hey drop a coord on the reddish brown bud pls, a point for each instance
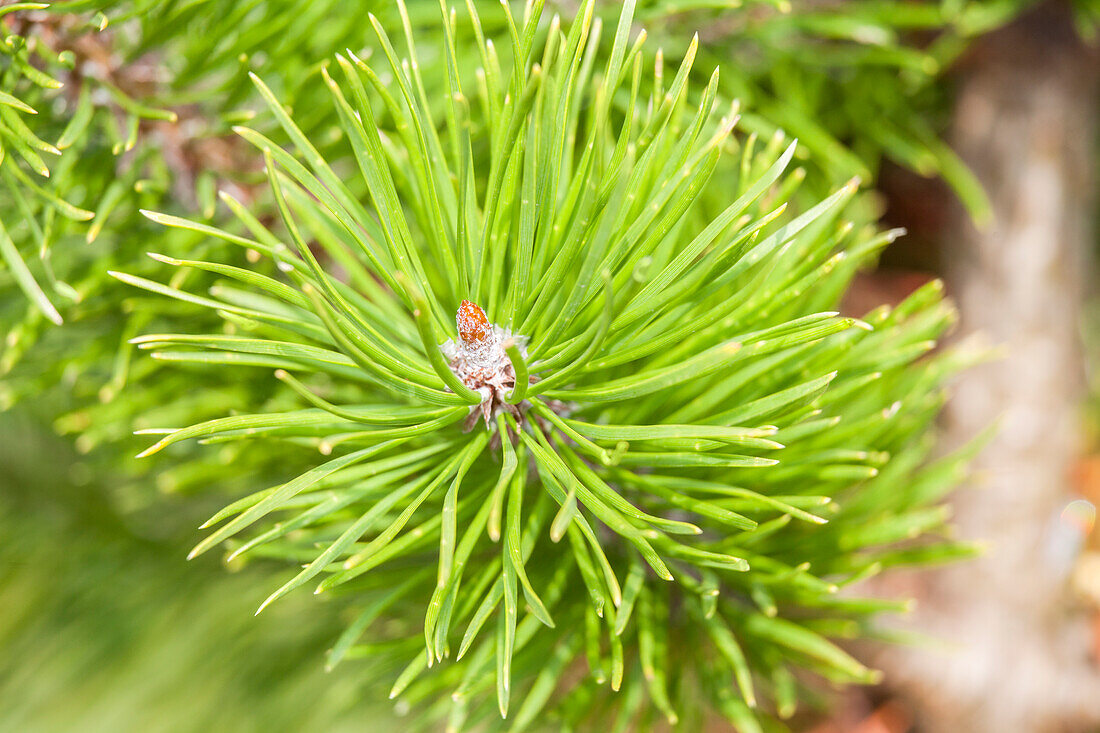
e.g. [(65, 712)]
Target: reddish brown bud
[(473, 325)]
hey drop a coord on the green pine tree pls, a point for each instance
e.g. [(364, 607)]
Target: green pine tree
[(634, 480), (650, 448)]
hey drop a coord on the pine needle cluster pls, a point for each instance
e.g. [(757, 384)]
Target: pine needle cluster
[(671, 454)]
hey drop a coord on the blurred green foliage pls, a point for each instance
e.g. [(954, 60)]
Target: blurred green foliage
[(106, 628)]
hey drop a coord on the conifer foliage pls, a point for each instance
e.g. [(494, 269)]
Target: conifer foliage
[(536, 329), (649, 455)]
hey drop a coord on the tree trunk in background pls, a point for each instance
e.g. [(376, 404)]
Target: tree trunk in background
[(1018, 654)]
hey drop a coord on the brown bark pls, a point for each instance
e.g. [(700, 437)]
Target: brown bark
[(1017, 653)]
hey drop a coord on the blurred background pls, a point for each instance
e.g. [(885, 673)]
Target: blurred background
[(972, 124)]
